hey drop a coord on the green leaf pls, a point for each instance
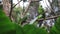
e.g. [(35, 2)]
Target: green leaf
[(31, 29), (5, 24), (54, 30), (40, 10), (57, 24), (19, 29)]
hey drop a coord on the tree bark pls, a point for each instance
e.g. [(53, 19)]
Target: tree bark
[(10, 14), (6, 6)]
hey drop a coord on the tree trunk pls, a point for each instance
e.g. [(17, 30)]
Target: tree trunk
[(6, 6)]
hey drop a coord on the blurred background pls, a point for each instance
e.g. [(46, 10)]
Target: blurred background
[(39, 15)]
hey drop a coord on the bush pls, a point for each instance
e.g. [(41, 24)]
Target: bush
[(31, 29), (56, 28), (57, 24)]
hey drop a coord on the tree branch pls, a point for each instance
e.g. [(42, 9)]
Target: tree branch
[(16, 4), (11, 9), (53, 17)]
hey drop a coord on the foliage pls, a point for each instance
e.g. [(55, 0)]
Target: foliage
[(56, 28), (21, 20), (7, 27), (57, 24), (5, 24), (19, 29), (16, 14), (40, 10), (31, 29)]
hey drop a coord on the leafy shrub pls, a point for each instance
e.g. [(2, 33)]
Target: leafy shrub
[(57, 24), (31, 29), (56, 28)]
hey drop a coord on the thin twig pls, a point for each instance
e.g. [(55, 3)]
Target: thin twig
[(16, 4)]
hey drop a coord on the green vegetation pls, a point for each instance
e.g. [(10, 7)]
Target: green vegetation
[(7, 27), (5, 24), (31, 29), (56, 28)]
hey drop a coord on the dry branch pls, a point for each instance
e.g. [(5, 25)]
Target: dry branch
[(53, 17)]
